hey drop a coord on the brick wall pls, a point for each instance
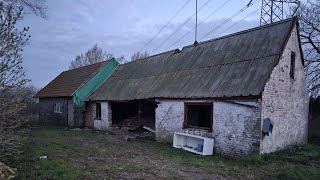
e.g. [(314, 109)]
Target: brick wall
[(236, 125), (285, 102), (106, 114), (169, 119)]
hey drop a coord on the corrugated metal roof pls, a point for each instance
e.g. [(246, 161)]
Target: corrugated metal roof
[(68, 82), (235, 65)]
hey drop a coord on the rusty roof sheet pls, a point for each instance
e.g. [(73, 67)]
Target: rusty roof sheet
[(234, 65), (68, 82)]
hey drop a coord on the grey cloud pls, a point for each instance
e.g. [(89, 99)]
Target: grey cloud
[(73, 27)]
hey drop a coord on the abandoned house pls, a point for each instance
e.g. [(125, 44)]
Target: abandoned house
[(246, 90), (62, 101)]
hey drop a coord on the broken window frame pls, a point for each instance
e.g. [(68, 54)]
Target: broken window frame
[(98, 111), (57, 107), (186, 125), (292, 65)]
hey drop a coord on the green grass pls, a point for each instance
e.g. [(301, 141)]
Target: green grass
[(94, 155)]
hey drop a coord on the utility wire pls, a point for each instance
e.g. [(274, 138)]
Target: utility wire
[(185, 22), (230, 18), (213, 12), (166, 25), (250, 14)]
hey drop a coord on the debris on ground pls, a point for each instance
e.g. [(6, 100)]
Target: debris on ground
[(148, 129), (6, 172), (134, 127), (43, 157)]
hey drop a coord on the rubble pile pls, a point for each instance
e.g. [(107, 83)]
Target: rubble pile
[(135, 128)]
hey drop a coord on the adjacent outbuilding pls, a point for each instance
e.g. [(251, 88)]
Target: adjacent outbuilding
[(62, 101), (246, 90)]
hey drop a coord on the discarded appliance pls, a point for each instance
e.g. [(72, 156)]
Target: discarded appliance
[(193, 143)]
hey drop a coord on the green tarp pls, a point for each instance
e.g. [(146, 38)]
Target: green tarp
[(94, 83)]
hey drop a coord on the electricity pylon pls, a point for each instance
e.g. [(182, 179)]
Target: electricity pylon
[(272, 10)]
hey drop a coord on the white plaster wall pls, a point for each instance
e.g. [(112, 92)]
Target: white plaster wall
[(105, 121), (236, 125), (285, 102), (169, 119)]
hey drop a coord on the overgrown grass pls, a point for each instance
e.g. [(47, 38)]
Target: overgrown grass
[(93, 155), (293, 163)]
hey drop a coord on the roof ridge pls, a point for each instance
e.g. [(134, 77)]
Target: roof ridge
[(244, 31), (104, 61), (217, 38), (93, 74), (150, 56)]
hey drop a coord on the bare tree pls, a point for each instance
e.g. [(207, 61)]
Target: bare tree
[(139, 55), (14, 98), (121, 59), (309, 21), (12, 41), (93, 55), (37, 7)]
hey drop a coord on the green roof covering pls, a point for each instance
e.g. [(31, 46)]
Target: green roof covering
[(94, 83)]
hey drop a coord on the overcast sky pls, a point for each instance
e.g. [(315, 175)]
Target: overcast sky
[(121, 27)]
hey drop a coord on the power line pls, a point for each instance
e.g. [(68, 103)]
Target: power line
[(182, 7), (250, 14), (230, 18), (213, 12), (185, 22)]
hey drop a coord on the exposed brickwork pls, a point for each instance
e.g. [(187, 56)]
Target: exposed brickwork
[(106, 114), (169, 119), (236, 126), (285, 102)]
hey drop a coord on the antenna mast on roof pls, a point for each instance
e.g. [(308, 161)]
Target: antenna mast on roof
[(272, 10), (195, 35)]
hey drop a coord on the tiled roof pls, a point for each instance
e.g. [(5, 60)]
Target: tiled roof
[(68, 82)]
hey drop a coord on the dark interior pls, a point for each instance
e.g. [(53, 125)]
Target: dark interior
[(134, 113), (199, 115)]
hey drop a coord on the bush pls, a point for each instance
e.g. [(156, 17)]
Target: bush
[(16, 109)]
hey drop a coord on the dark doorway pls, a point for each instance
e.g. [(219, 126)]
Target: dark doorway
[(134, 114)]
